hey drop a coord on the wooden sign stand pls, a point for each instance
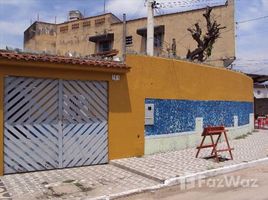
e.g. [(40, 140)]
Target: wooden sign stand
[(210, 132)]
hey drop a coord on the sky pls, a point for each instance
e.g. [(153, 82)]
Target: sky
[(251, 37)]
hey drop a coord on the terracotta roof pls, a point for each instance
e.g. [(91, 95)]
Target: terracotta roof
[(61, 60)]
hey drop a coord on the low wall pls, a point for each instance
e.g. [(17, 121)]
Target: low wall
[(171, 101), (178, 124), (184, 140)]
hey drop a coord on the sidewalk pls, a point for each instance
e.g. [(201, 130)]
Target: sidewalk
[(164, 166), (126, 175)]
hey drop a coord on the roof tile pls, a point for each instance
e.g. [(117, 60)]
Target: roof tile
[(61, 59)]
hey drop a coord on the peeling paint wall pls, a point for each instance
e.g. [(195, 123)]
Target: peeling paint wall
[(73, 37), (41, 36)]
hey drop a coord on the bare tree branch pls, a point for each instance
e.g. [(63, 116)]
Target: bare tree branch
[(204, 42)]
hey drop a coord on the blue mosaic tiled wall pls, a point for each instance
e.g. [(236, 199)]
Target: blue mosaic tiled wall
[(174, 116)]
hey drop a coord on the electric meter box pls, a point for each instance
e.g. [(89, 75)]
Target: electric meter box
[(149, 114)]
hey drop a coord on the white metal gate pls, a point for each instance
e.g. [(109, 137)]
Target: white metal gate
[(54, 124)]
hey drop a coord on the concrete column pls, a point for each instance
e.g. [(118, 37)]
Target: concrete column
[(251, 121), (150, 28), (235, 121), (199, 124)]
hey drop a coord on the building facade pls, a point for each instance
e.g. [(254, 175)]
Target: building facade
[(261, 99), (82, 36)]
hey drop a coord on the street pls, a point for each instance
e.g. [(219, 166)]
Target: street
[(251, 183)]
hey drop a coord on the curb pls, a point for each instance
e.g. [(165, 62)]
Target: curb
[(214, 172), (185, 179), (138, 172)]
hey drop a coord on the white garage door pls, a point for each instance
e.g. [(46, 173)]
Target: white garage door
[(54, 124)]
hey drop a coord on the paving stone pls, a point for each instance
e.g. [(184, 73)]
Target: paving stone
[(101, 178), (179, 163), (109, 179), (4, 194), (63, 189)]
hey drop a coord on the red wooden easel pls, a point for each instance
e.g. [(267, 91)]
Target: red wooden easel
[(210, 132)]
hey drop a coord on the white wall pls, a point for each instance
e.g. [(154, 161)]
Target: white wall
[(178, 141), (261, 92)]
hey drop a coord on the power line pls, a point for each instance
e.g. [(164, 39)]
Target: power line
[(254, 59), (248, 65), (254, 19), (190, 3), (240, 61)]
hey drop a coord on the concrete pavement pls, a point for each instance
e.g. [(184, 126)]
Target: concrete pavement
[(168, 165), (133, 175)]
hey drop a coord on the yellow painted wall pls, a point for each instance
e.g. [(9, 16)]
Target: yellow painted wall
[(173, 79), (118, 98), (148, 78), (167, 79)]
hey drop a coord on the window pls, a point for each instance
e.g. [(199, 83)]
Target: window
[(158, 40), (75, 26), (129, 40), (105, 46), (86, 24), (99, 22), (64, 29)]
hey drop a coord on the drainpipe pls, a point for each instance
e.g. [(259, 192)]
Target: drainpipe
[(124, 49)]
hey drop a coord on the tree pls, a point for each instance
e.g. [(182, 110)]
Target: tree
[(204, 42)]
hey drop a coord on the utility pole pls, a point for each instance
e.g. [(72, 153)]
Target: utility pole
[(124, 37), (150, 27)]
